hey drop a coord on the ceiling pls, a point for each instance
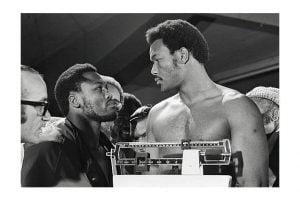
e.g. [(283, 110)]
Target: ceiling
[(244, 48)]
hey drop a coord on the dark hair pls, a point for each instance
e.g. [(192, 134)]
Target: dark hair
[(178, 33), (68, 81)]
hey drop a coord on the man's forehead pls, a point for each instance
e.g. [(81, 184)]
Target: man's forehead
[(93, 77), (156, 47), (33, 86)]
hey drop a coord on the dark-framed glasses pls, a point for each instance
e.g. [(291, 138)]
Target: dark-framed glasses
[(42, 106)]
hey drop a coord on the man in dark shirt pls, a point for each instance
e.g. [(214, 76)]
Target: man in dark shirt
[(83, 98)]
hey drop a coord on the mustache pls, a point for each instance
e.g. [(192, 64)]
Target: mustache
[(155, 76)]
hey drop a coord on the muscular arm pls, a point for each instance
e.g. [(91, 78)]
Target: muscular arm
[(249, 144)]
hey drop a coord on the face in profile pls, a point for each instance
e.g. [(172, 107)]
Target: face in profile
[(33, 89), (164, 67), (96, 101)]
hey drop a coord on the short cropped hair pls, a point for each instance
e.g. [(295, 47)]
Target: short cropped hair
[(176, 34), (70, 80)]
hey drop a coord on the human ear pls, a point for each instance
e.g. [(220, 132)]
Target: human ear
[(73, 101), (183, 55)]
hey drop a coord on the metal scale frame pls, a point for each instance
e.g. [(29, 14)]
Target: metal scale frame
[(208, 153)]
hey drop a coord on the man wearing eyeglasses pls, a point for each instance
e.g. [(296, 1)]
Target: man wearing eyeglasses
[(34, 110), (84, 99), (34, 105)]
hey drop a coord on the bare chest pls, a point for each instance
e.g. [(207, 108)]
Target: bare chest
[(195, 124), (208, 126), (171, 125)]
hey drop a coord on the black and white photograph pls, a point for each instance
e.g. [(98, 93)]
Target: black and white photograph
[(150, 100)]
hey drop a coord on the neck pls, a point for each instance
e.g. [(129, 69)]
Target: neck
[(90, 128), (197, 86)]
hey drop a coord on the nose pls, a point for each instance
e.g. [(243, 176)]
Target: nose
[(154, 69), (47, 116)]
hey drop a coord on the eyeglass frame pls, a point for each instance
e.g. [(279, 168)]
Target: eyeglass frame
[(45, 104)]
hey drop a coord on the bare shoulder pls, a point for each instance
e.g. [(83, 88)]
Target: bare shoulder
[(248, 141), (241, 111), (237, 103), (173, 101)]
